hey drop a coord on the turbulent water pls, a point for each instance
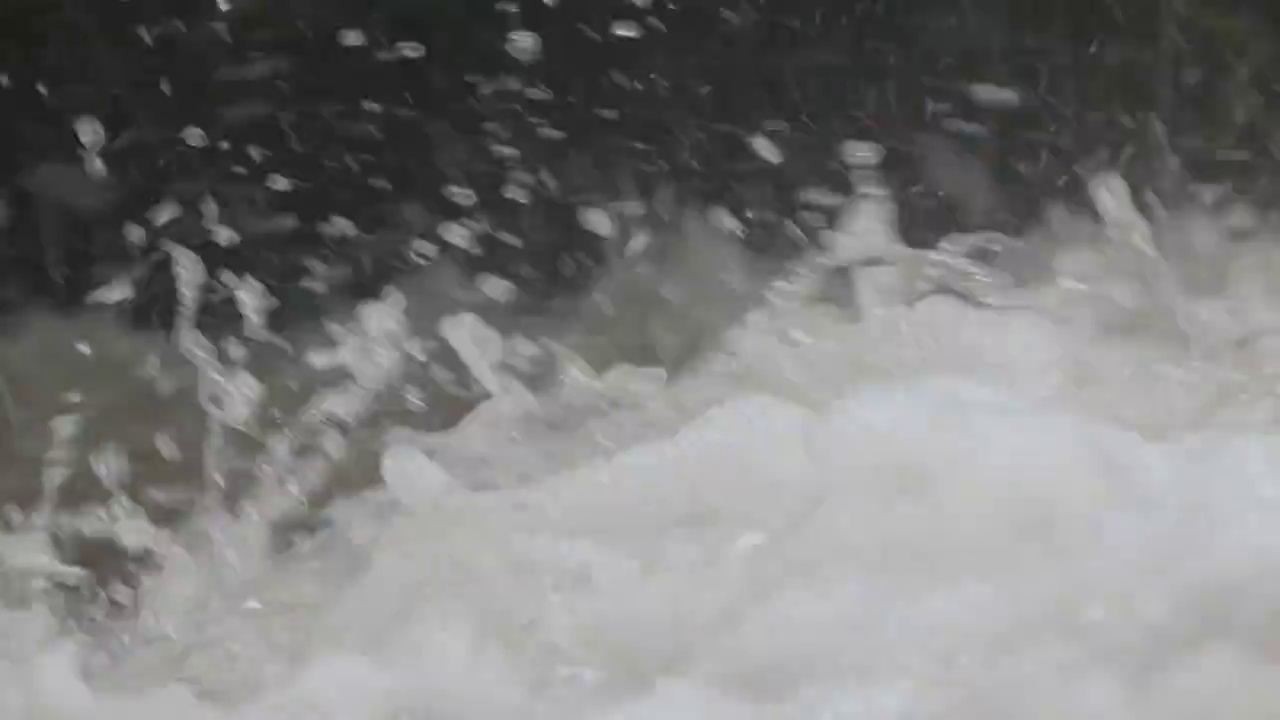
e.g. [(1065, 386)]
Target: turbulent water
[(1059, 506)]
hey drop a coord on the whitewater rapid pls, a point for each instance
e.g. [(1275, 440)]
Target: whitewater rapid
[(941, 511)]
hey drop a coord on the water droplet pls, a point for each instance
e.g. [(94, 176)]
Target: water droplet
[(502, 151), (547, 132), (640, 240), (459, 236), (167, 447), (524, 45), (279, 183), (539, 94), (352, 37), (629, 29), (460, 195), (994, 97), (509, 239), (110, 464), (726, 221), (404, 51), (91, 133), (861, 154), (517, 193), (819, 197), (164, 212), (209, 210), (497, 288), (95, 167), (223, 236), (965, 127), (112, 293), (766, 149), (194, 136), (337, 226), (423, 251), (134, 234), (597, 220)]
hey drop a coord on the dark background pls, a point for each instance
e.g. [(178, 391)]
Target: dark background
[(271, 75)]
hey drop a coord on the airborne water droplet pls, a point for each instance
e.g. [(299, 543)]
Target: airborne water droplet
[(164, 212), (721, 218), (766, 149), (404, 51), (524, 45), (336, 227), (861, 154), (629, 29), (496, 288), (167, 447), (597, 221), (110, 464), (114, 292), (134, 234), (459, 236), (460, 195), (995, 97), (352, 37), (209, 210), (224, 236), (95, 167), (91, 133), (194, 136), (516, 193), (422, 251), (279, 183)]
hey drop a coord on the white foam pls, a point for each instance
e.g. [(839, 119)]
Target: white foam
[(939, 545), (942, 511), (411, 475)]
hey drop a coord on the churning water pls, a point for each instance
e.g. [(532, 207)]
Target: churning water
[(1058, 503)]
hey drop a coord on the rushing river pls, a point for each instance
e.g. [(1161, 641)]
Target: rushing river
[(1063, 505)]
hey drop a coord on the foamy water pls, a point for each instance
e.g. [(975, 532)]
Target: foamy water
[(943, 511)]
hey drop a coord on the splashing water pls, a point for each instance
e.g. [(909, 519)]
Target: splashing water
[(945, 509)]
